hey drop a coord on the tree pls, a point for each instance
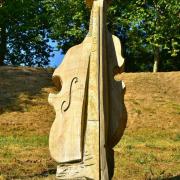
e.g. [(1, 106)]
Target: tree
[(2, 40), (69, 20), (150, 26), (24, 33), (148, 29)]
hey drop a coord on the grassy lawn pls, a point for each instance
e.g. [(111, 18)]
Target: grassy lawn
[(149, 149)]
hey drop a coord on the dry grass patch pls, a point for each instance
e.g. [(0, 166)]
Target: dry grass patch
[(149, 149)]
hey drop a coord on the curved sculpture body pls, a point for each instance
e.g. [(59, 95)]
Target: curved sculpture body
[(90, 111), (65, 140)]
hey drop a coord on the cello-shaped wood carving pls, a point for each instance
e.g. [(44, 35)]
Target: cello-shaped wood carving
[(90, 111)]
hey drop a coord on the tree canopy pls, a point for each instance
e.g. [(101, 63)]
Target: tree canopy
[(148, 29), (24, 33)]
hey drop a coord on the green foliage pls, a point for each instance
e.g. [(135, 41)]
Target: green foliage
[(144, 26), (25, 26), (149, 30), (69, 20)]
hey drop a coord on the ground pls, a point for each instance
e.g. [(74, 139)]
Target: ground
[(149, 149)]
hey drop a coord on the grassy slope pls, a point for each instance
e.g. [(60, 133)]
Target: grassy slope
[(149, 149)]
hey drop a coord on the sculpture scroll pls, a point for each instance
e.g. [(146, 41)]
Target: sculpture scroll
[(90, 111)]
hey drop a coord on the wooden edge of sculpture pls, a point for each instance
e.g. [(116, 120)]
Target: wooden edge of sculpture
[(90, 112)]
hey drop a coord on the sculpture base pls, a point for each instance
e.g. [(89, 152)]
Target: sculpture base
[(71, 172)]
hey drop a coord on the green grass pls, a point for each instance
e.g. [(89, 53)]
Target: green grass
[(148, 154), (32, 141), (149, 149)]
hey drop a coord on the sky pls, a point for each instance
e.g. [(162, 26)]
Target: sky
[(56, 60)]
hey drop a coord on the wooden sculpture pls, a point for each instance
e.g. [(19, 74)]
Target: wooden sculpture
[(90, 111)]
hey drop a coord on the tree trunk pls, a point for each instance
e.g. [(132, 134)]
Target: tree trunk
[(156, 59), (3, 41)]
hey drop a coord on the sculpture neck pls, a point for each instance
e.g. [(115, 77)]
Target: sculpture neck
[(98, 33), (89, 3), (98, 12)]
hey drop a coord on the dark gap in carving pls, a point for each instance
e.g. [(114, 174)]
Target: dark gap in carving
[(57, 82)]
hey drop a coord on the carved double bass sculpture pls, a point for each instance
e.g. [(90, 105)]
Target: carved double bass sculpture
[(90, 111)]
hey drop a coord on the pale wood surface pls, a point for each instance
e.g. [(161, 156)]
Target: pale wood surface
[(90, 111), (66, 135)]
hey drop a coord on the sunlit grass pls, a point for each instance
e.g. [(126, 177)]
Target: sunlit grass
[(32, 141), (149, 149), (147, 154)]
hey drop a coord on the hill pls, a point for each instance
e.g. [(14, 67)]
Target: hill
[(149, 149)]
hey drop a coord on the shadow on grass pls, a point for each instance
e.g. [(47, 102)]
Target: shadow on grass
[(46, 173), (173, 178), (19, 85), (43, 175)]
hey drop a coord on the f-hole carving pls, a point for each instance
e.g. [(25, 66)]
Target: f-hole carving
[(65, 105)]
